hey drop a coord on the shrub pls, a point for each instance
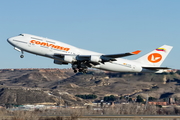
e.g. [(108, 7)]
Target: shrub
[(90, 96)]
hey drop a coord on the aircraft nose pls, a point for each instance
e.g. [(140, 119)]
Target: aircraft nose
[(10, 40)]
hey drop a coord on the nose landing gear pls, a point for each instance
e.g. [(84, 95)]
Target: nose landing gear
[(21, 56)]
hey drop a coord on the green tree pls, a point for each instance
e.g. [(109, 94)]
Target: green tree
[(109, 98), (90, 96), (139, 99), (152, 99), (130, 100), (178, 72), (121, 98)]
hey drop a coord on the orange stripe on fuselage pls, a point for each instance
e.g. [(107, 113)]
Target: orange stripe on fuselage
[(49, 45)]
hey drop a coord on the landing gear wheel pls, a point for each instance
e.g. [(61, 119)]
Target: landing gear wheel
[(21, 56), (75, 71), (80, 70), (85, 71)]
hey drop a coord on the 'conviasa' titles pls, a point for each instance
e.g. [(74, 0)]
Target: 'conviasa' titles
[(49, 45)]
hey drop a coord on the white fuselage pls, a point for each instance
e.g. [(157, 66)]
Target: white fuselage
[(48, 47)]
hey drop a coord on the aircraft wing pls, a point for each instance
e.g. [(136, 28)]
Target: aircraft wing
[(94, 59), (86, 57), (122, 54)]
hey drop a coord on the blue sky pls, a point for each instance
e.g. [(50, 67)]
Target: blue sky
[(105, 26)]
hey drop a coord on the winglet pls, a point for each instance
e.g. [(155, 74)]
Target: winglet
[(136, 52)]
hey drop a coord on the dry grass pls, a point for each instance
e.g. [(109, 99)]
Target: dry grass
[(3, 114), (24, 115), (75, 114)]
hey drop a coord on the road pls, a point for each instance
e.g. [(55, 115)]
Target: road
[(128, 117), (104, 117)]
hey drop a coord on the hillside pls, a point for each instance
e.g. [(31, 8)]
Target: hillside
[(29, 86)]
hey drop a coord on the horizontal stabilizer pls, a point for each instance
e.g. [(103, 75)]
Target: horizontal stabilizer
[(155, 68)]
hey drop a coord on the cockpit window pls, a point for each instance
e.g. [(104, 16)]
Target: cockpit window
[(21, 35)]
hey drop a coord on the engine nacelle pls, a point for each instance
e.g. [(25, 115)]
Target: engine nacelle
[(95, 59), (59, 62), (68, 59)]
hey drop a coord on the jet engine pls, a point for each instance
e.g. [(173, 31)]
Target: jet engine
[(65, 58), (68, 59), (95, 59), (59, 62)]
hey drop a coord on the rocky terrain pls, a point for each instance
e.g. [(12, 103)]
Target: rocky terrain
[(56, 86)]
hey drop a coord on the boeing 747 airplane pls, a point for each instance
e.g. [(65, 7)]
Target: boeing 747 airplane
[(81, 59)]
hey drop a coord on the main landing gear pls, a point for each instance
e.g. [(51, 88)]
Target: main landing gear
[(82, 70), (79, 67)]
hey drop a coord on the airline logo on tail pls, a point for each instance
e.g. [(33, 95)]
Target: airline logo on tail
[(155, 57)]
